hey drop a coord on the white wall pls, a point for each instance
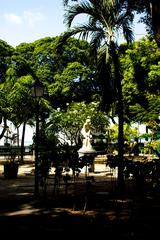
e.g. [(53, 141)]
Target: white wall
[(28, 134)]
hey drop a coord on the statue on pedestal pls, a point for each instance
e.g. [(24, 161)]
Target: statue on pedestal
[(87, 138)]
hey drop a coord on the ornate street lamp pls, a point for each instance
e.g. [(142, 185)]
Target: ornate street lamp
[(37, 89), (37, 92)]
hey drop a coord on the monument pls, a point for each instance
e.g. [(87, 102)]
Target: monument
[(87, 139)]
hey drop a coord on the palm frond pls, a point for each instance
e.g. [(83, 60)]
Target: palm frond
[(105, 19), (128, 33), (75, 10), (96, 39), (65, 2)]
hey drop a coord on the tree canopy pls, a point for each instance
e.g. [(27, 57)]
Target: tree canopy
[(141, 80)]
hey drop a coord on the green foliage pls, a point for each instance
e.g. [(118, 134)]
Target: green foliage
[(141, 81), (19, 98), (70, 121), (130, 132), (67, 76), (6, 51)]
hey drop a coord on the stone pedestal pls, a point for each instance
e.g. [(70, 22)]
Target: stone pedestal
[(87, 153)]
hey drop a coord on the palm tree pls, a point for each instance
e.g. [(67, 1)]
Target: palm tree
[(106, 21)]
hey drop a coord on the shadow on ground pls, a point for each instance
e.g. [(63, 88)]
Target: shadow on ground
[(97, 212)]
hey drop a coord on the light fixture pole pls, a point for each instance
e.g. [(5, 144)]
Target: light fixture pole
[(37, 92)]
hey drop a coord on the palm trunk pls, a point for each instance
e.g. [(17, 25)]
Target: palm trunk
[(121, 183)]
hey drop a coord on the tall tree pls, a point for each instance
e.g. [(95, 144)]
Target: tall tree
[(105, 21), (6, 51)]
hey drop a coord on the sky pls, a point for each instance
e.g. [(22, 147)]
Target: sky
[(30, 20)]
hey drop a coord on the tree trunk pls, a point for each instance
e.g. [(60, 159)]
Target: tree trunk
[(22, 142), (155, 12), (4, 127)]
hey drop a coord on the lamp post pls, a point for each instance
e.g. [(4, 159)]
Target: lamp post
[(37, 92)]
